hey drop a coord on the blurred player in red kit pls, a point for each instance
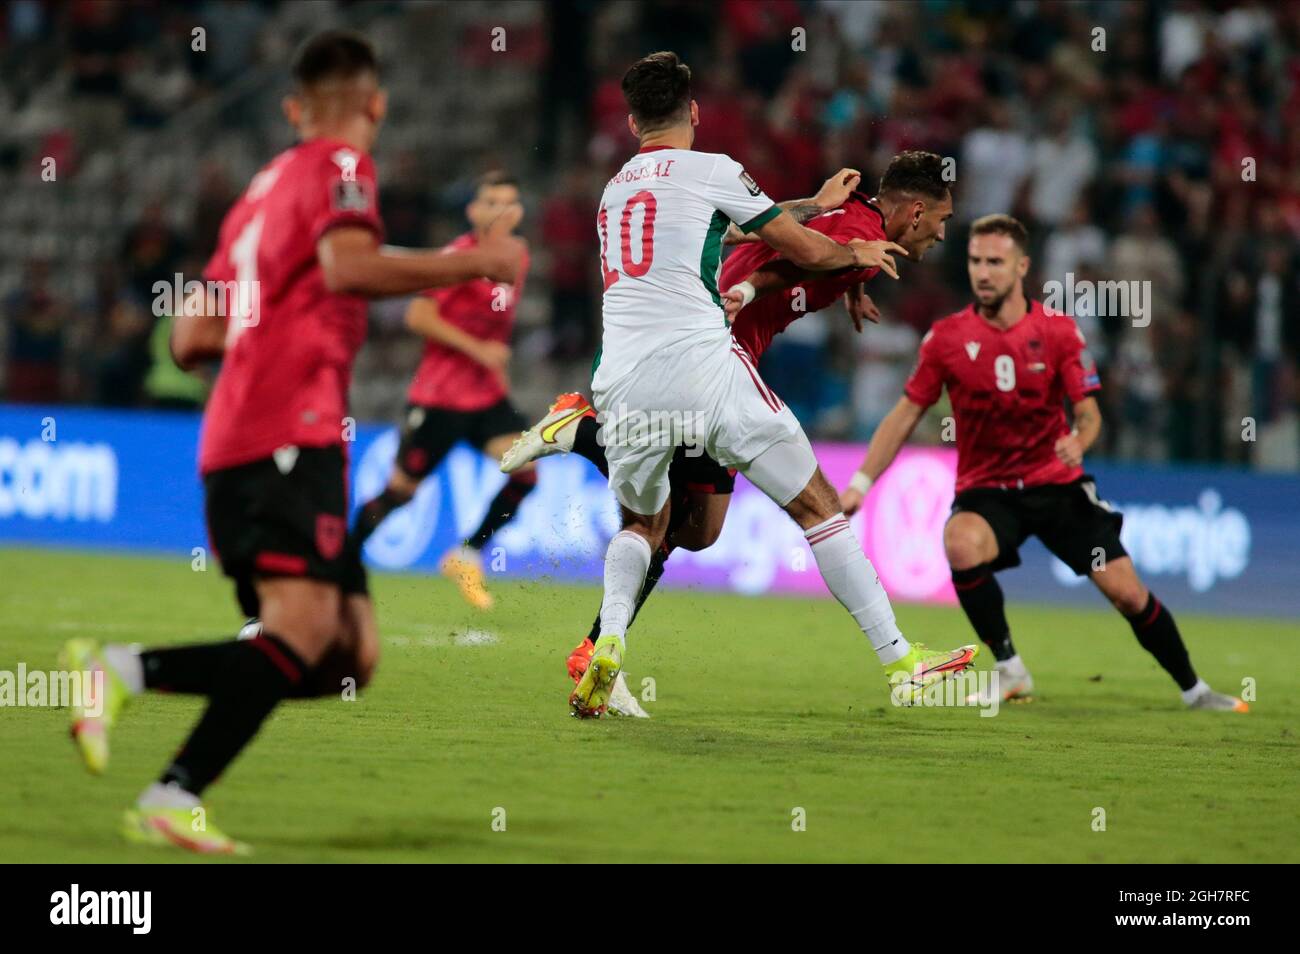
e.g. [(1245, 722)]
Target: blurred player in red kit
[(1009, 366), (301, 251), (461, 392), (765, 294)]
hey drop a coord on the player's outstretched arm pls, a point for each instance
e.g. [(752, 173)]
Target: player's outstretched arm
[(834, 192), (806, 248), (354, 263), (780, 274), (889, 438)]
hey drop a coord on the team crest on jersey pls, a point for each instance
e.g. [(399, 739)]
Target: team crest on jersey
[(350, 195), (748, 182), (973, 349), (330, 531)]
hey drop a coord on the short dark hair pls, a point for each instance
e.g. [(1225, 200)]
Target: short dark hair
[(334, 55), (1000, 224), (657, 89), (495, 177), (915, 173)]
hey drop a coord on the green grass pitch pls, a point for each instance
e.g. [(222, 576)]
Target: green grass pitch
[(764, 706)]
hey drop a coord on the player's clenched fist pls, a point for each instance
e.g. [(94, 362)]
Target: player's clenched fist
[(876, 255)]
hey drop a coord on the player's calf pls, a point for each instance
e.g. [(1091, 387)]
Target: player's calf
[(300, 620), (627, 561), (399, 492), (982, 601), (702, 522), (303, 613), (351, 660), (849, 575), (788, 473), (1151, 621), (1127, 595), (361, 636), (1158, 634)]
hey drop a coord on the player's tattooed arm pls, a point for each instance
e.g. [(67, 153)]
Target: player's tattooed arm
[(801, 210), (834, 192), (812, 250), (1087, 427)]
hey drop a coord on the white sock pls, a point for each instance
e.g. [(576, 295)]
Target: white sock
[(626, 563), (170, 795), (1013, 665), (1190, 695), (854, 581), (126, 661)]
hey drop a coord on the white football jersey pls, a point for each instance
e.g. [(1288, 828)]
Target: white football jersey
[(660, 227)]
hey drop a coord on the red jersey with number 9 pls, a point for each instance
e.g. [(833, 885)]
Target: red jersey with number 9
[(290, 342), (1008, 391)]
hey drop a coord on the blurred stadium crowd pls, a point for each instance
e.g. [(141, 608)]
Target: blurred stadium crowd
[(1171, 155)]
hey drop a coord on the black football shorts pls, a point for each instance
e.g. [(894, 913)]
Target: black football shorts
[(429, 433), (1071, 520), (288, 517), (695, 471)]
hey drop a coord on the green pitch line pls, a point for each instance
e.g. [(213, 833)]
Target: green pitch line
[(763, 706)]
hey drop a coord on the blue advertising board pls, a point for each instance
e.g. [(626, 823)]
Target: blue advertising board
[(1209, 540)]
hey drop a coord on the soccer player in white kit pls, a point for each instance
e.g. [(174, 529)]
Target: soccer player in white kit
[(670, 373)]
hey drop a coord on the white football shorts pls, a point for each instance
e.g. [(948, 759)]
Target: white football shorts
[(707, 395)]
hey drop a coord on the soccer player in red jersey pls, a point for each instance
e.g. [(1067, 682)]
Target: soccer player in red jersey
[(461, 391), (765, 294), (1009, 366), (301, 249)]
